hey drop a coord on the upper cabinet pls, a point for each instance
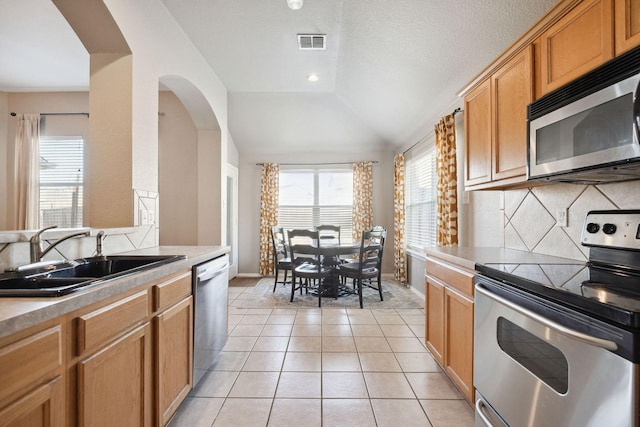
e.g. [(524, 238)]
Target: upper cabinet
[(573, 38), (627, 25), (579, 42), (496, 125)]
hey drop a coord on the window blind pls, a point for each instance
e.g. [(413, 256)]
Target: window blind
[(308, 198), (61, 181), (420, 200)]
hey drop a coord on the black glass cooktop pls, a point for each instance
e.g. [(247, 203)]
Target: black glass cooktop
[(603, 292)]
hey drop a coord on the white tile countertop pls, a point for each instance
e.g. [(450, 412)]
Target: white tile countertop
[(17, 314), (467, 257)]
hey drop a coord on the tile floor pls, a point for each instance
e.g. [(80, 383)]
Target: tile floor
[(324, 367)]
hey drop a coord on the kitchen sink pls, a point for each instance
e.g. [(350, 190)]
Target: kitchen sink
[(62, 279)]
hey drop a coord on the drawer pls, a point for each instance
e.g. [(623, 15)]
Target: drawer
[(30, 360), (102, 325), (169, 292), (456, 277)]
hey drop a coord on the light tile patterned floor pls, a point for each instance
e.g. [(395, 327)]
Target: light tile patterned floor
[(324, 367)]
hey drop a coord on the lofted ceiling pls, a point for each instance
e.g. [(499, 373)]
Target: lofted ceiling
[(389, 69)]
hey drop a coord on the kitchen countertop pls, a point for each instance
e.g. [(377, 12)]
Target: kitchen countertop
[(467, 257), (17, 314)]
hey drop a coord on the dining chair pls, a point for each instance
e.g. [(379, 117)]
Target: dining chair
[(306, 262), (367, 265), (329, 233), (281, 259)]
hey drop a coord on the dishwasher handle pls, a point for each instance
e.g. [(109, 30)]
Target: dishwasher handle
[(481, 408), (210, 271)]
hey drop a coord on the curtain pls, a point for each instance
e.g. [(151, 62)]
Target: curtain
[(27, 172), (268, 215), (399, 255), (362, 198), (446, 169)]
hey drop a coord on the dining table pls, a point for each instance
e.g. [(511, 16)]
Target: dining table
[(331, 253)]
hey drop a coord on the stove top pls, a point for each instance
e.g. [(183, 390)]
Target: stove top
[(607, 286)]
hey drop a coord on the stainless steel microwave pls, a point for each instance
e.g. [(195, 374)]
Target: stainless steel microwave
[(587, 131)]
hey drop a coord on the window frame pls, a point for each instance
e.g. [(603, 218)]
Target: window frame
[(316, 207), (63, 183), (423, 236)]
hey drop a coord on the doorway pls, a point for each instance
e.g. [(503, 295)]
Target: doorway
[(232, 219)]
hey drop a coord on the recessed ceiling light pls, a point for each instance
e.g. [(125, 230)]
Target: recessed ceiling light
[(313, 77), (294, 4)]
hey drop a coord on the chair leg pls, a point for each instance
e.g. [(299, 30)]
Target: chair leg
[(284, 282), (360, 291), (293, 286), (275, 280), (380, 287)]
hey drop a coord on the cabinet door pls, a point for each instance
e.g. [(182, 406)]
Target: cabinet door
[(435, 318), (577, 43), (42, 407), (113, 381), (627, 25), (512, 86), (459, 341), (477, 134), (174, 362)]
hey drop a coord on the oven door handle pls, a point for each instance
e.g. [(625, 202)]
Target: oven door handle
[(580, 336)]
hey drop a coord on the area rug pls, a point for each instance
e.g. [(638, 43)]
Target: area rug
[(262, 296)]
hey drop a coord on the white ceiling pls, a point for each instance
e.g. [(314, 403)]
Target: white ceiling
[(390, 67)]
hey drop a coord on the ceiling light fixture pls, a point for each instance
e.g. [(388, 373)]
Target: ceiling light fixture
[(294, 4), (313, 77)]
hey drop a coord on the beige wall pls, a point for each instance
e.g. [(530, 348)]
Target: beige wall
[(178, 174), (4, 171)]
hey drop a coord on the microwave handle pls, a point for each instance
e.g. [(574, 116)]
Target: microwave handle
[(636, 113)]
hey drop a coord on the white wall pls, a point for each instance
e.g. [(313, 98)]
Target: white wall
[(249, 199)]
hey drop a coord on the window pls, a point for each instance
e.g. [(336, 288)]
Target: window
[(420, 199), (61, 181), (308, 198)]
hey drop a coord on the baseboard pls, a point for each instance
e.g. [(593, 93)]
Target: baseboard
[(417, 292), (249, 275)]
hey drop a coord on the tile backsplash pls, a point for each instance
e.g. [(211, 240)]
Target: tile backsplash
[(530, 215)]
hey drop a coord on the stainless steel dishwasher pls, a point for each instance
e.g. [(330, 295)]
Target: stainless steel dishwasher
[(211, 290)]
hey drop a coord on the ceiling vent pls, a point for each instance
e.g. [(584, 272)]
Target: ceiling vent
[(312, 41)]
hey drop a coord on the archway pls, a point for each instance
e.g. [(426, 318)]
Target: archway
[(191, 166)]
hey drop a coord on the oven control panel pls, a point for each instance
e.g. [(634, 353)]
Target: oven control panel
[(612, 229)]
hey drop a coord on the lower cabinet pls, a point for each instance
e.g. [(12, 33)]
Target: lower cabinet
[(449, 321), (42, 407), (113, 383), (126, 361)]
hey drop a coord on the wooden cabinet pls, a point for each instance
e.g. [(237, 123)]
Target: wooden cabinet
[(174, 345), (114, 383), (627, 25), (31, 378), (114, 370), (578, 42), (496, 125), (449, 321)]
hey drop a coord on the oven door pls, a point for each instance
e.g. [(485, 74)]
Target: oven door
[(538, 364)]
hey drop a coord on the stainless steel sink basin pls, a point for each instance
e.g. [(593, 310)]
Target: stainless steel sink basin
[(62, 279)]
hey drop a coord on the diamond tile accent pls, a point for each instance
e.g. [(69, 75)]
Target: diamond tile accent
[(532, 221)]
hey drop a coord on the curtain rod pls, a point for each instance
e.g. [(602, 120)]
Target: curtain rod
[(453, 113), (58, 114), (315, 164)]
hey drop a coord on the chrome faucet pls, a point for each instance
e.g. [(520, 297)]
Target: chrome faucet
[(36, 247), (99, 238)]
